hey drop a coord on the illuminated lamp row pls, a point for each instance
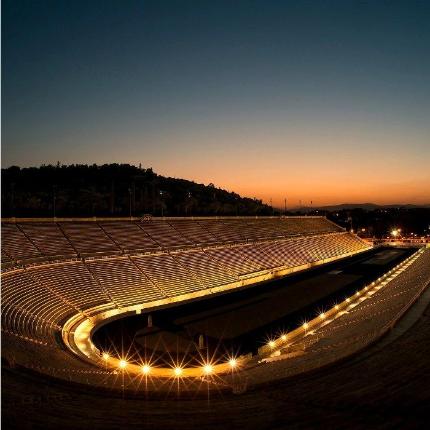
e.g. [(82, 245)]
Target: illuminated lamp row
[(177, 371), (273, 343)]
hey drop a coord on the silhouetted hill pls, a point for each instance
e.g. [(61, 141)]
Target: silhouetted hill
[(114, 190)]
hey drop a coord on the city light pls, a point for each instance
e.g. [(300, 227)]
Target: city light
[(177, 371), (106, 356), (395, 232), (272, 344), (122, 364)]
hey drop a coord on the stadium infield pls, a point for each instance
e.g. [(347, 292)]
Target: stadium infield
[(242, 321)]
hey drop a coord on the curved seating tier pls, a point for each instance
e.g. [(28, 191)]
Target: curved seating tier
[(133, 263), (38, 298), (23, 241)]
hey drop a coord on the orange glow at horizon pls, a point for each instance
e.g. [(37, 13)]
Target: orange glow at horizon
[(327, 163)]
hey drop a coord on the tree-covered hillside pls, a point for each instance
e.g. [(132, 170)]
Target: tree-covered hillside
[(114, 190)]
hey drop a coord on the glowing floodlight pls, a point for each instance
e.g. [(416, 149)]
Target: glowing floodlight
[(122, 364), (272, 344), (105, 356), (146, 368), (322, 315), (232, 362), (305, 325), (177, 371), (208, 369), (284, 337)]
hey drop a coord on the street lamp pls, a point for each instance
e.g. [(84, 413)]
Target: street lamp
[(129, 199), (54, 198), (162, 208)]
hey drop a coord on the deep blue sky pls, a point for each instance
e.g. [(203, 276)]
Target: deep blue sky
[(322, 99)]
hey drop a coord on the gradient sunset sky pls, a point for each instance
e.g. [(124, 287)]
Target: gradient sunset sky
[(326, 101)]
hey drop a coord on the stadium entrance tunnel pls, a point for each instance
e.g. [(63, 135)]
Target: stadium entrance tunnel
[(226, 330)]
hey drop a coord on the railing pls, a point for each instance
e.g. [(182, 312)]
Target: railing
[(156, 218)]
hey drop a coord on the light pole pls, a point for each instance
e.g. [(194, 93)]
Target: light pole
[(54, 201), (12, 186), (188, 202), (161, 199), (129, 195)]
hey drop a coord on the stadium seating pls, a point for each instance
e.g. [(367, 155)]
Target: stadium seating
[(29, 309), (206, 269), (54, 270), (73, 282), (168, 274), (16, 244), (123, 281), (194, 232), (233, 261), (88, 238), (165, 235), (48, 238), (222, 230), (129, 236), (38, 240), (166, 259)]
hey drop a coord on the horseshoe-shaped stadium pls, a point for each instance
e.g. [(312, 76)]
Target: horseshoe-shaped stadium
[(67, 282)]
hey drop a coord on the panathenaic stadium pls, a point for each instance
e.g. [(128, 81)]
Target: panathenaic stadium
[(180, 306)]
